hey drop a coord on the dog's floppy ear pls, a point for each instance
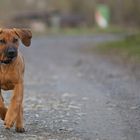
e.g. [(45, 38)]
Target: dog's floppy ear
[(25, 35)]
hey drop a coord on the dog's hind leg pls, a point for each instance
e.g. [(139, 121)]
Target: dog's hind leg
[(3, 109)]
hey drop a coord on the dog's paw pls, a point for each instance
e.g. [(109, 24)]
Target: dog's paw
[(20, 130)]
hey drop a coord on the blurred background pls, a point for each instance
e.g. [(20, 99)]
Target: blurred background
[(41, 15)]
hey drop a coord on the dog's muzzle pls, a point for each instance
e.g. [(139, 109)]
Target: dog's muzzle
[(10, 52)]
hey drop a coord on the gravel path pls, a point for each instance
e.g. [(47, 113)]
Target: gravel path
[(72, 95)]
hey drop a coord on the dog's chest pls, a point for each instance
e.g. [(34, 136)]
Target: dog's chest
[(7, 79)]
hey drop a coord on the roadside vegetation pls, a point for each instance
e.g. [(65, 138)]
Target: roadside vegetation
[(125, 52), (93, 30), (86, 31), (127, 49)]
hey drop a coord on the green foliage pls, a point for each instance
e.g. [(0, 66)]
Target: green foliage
[(127, 49)]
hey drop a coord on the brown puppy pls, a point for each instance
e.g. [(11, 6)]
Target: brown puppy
[(11, 75)]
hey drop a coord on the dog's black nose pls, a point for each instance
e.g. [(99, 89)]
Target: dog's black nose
[(11, 52)]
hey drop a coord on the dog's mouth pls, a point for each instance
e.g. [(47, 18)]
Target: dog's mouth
[(9, 55), (7, 61)]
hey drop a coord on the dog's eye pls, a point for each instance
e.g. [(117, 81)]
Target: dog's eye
[(2, 41), (15, 40)]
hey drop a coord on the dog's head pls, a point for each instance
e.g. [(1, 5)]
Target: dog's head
[(9, 42)]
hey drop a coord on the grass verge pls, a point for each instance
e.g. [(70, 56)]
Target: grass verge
[(125, 52), (127, 49), (84, 31)]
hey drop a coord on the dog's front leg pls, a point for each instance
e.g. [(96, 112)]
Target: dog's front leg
[(15, 106), (3, 109), (19, 121)]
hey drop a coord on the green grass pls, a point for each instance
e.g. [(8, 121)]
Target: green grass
[(85, 31), (126, 50), (92, 30)]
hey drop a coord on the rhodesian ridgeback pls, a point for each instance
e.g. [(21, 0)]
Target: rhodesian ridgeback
[(11, 75)]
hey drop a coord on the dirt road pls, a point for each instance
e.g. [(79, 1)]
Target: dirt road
[(72, 95)]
